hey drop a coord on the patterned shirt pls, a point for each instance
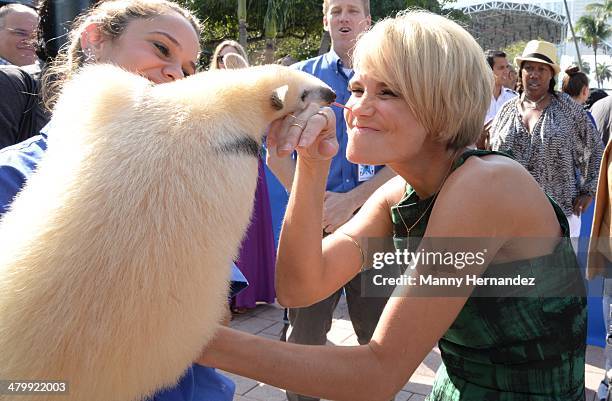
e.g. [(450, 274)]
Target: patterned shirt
[(562, 153)]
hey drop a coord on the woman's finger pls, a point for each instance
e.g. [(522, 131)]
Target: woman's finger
[(272, 133), (289, 135)]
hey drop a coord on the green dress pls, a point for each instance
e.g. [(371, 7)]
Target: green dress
[(511, 348)]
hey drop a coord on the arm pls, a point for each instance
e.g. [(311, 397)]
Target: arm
[(588, 151), (339, 207), (601, 114), (282, 167), (342, 373), (310, 268), (11, 182), (409, 326), (306, 270), (13, 104)]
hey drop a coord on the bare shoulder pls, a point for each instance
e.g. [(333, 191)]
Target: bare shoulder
[(374, 217), (494, 195), (393, 190), (482, 172), (388, 194)]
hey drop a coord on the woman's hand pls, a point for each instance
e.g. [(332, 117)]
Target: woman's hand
[(337, 210), (581, 203), (311, 132)]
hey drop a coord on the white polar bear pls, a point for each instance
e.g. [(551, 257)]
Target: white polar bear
[(114, 262)]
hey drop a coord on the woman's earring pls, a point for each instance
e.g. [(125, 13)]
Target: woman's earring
[(89, 55)]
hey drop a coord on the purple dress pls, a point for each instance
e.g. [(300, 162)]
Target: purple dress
[(258, 253)]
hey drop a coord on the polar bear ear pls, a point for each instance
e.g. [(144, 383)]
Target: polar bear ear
[(277, 100)]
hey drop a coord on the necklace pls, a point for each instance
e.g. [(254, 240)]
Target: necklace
[(531, 104), (431, 202)]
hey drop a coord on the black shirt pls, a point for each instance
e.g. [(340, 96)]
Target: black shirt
[(22, 114)]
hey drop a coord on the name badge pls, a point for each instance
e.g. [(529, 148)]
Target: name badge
[(365, 172)]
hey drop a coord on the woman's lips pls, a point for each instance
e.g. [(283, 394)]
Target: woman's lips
[(364, 130)]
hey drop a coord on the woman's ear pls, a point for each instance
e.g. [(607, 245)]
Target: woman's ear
[(585, 92), (92, 41)]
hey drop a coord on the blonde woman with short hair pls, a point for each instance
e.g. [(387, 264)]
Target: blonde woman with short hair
[(419, 96)]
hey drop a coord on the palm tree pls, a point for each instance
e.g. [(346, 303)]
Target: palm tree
[(586, 68), (270, 31), (242, 25), (604, 71), (603, 10), (278, 13), (569, 21), (592, 31)]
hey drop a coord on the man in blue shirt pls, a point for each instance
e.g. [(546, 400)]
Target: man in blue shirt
[(348, 185)]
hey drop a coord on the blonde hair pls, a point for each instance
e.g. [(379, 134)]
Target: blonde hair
[(112, 17), (214, 65), (438, 69), (366, 6)]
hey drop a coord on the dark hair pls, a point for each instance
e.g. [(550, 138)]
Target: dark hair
[(594, 95), (491, 54), (574, 81), (519, 83)]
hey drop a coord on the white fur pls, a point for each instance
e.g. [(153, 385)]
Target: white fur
[(115, 257)]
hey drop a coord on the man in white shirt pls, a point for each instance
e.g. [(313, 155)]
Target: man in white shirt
[(499, 64)]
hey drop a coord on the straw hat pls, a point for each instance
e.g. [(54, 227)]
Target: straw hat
[(540, 51)]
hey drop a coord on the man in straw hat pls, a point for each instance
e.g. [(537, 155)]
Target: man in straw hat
[(550, 134)]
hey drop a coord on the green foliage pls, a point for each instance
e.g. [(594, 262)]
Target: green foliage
[(389, 8), (296, 25), (586, 67), (592, 29), (600, 10), (604, 71), (514, 49)]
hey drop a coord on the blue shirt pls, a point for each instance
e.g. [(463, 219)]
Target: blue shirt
[(17, 163), (343, 175), (199, 383)]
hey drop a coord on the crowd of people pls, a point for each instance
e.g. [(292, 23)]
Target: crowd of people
[(430, 138)]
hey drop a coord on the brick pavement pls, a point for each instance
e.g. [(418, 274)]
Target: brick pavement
[(267, 321)]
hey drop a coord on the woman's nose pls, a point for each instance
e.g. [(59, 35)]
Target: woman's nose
[(360, 105), (172, 72)]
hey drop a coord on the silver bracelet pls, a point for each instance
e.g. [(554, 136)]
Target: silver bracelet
[(354, 241)]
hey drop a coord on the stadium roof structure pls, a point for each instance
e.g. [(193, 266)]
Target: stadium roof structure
[(29, 3), (497, 24)]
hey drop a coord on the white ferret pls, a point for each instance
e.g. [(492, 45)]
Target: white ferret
[(114, 262)]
